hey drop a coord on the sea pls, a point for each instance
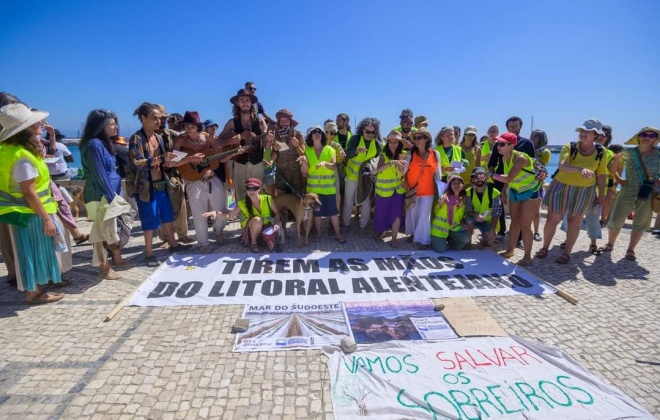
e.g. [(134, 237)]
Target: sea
[(552, 167)]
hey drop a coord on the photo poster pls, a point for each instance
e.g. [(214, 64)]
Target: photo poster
[(378, 321), (473, 378), (291, 327)]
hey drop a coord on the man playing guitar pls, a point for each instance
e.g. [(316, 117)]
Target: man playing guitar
[(204, 189), (249, 129)]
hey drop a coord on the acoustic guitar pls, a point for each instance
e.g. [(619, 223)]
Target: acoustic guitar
[(195, 171)]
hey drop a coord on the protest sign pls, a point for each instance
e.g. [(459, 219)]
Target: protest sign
[(325, 278), (485, 377), (277, 327), (377, 322)]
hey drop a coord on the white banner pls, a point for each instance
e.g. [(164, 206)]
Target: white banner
[(503, 377), (281, 328), (325, 278)]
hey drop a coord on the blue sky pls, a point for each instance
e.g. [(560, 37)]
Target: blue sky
[(459, 63)]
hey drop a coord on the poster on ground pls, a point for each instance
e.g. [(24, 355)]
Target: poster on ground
[(279, 327), (481, 377), (377, 322), (325, 278)]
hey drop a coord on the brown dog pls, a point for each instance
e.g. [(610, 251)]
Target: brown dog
[(302, 209), (76, 193)]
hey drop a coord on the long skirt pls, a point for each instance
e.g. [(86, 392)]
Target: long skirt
[(388, 209), (34, 253)]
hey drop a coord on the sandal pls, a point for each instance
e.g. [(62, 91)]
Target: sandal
[(593, 249), (507, 254), (630, 255), (110, 275), (606, 248), (82, 238), (341, 240), (255, 248), (151, 261), (524, 262), (541, 253), (562, 245), (563, 259), (47, 297), (394, 244)]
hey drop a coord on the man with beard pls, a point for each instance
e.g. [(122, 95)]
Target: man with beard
[(484, 206), (289, 178), (343, 130), (245, 126), (406, 127), (175, 187)]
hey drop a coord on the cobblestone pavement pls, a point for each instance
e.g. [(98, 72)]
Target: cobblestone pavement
[(62, 361)]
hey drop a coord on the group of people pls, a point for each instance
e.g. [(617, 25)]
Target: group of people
[(437, 190)]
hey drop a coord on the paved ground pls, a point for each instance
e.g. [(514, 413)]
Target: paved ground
[(61, 360)]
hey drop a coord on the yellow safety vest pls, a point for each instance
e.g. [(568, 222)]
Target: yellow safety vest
[(484, 204), (456, 155), (389, 180), (353, 165), (15, 202), (264, 200), (322, 180), (440, 226), (485, 150), (526, 178)]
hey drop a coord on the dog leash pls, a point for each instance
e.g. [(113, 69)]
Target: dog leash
[(286, 181)]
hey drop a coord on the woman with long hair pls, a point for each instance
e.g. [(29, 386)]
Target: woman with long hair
[(363, 146), (642, 164), (259, 217), (524, 194), (422, 173), (448, 230), (390, 187), (26, 203), (577, 188), (102, 182)]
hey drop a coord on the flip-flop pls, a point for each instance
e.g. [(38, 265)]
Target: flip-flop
[(341, 240), (47, 297)]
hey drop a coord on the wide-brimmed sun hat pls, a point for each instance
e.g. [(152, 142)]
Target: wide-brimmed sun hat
[(396, 135), (285, 113), (243, 92), (592, 124), (634, 140), (191, 117), (15, 118), (314, 127), (423, 132)]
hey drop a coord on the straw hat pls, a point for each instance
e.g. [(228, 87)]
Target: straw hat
[(396, 135), (15, 118), (423, 132), (285, 113), (634, 140)]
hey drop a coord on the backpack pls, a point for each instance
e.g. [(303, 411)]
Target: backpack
[(600, 152)]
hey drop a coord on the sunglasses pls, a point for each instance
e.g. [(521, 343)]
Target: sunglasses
[(419, 138), (331, 132), (369, 131), (649, 135), (254, 89), (317, 132), (252, 188), (500, 144)]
